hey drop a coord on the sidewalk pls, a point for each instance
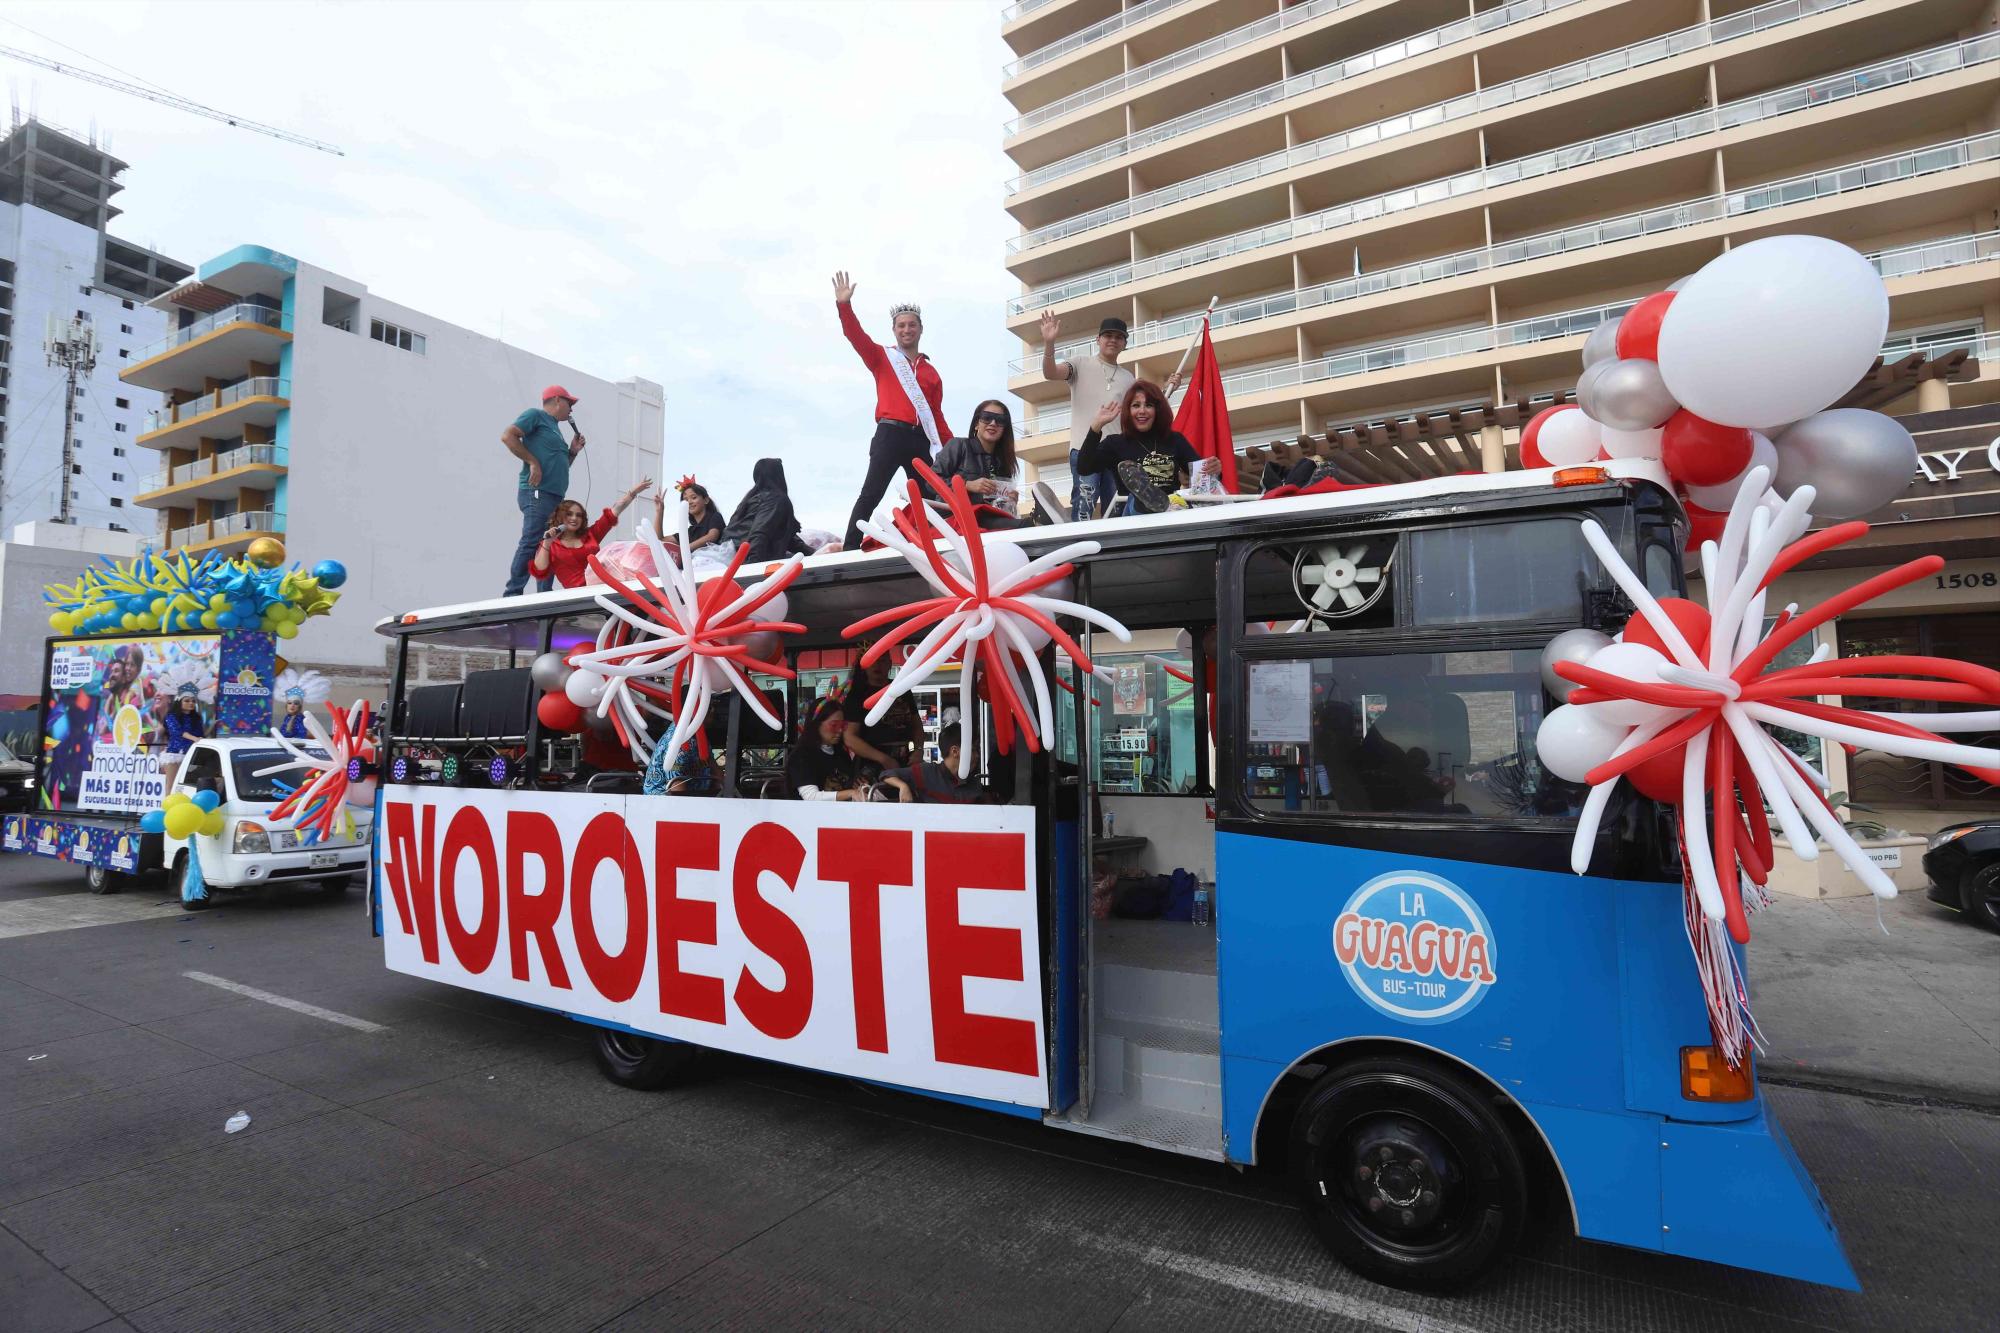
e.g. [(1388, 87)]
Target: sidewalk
[(1915, 1011)]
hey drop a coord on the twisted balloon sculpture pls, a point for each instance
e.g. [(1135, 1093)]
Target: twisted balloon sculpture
[(994, 612), (700, 639), (1694, 711), (319, 804)]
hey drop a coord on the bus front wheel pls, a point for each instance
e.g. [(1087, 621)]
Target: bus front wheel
[(640, 1062), (1409, 1172)]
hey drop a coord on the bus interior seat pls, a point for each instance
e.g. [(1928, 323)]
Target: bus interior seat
[(435, 713), (497, 705)]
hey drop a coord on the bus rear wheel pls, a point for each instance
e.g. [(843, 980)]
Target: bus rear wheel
[(645, 1063), (1409, 1172)]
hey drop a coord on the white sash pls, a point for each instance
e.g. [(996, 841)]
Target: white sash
[(906, 375)]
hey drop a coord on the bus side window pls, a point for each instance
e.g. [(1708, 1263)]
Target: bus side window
[(1403, 733), (1478, 574)]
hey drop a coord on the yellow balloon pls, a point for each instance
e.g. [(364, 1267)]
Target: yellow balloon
[(266, 551), (288, 630), (184, 821)]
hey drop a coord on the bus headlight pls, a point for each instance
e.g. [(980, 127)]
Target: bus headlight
[(251, 838)]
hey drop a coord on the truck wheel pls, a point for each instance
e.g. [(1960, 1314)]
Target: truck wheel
[(179, 882), (338, 884), (1980, 893), (1409, 1173), (99, 879), (640, 1062)]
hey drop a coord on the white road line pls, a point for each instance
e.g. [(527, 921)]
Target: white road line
[(1274, 1288), (284, 1002)]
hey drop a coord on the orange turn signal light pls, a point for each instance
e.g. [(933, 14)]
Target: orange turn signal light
[(1707, 1077), (1580, 476)]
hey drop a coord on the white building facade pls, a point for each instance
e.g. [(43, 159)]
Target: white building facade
[(302, 406), (59, 268)]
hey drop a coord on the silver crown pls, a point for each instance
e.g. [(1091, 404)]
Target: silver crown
[(906, 308)]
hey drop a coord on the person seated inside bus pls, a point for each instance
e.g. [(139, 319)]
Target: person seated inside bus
[(1149, 457), (819, 767), (891, 741), (938, 783)]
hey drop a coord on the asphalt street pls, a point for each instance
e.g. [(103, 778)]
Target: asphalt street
[(419, 1157)]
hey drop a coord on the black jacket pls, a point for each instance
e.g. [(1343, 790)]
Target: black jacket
[(764, 518)]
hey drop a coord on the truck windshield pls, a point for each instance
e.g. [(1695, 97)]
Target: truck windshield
[(245, 764)]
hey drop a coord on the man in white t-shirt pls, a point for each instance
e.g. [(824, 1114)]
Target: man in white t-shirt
[(1092, 384)]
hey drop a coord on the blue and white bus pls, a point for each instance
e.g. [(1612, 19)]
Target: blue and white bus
[(1400, 995)]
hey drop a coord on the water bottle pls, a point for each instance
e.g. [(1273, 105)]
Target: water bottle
[(1200, 917)]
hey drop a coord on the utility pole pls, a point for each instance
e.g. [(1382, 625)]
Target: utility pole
[(71, 344)]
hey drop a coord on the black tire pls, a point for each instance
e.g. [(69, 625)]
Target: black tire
[(1410, 1174), (99, 879), (645, 1063), (178, 880), (1979, 894), (338, 884)]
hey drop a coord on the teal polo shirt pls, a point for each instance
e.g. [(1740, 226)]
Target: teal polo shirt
[(545, 442)]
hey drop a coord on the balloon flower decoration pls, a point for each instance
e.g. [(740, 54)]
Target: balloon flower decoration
[(188, 816), (1682, 706), (178, 593), (670, 649), (1735, 368), (318, 807), (993, 614)]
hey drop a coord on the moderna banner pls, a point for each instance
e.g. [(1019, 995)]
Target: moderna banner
[(889, 942)]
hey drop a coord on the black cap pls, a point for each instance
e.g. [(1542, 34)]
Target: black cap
[(1112, 324)]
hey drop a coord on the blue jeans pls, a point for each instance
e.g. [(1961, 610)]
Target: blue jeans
[(538, 509), (1086, 493)]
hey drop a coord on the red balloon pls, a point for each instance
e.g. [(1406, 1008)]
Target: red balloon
[(1704, 525), (1660, 776), (1690, 618), (1639, 331), (1531, 452), (558, 713), (1699, 452)]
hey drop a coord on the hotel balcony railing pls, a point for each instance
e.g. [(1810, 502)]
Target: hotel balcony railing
[(1076, 41), (1351, 68), (233, 525), (1179, 60), (257, 386), (1817, 92), (1927, 256), (241, 313), (1984, 347), (210, 466), (1610, 231), (1020, 7)]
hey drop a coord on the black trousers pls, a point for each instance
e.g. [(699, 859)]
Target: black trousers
[(894, 446)]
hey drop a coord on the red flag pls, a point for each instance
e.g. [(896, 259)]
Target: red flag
[(1204, 417)]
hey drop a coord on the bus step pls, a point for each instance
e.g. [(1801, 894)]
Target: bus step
[(1156, 995), (1130, 1121)]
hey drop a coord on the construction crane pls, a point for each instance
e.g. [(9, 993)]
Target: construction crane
[(166, 99)]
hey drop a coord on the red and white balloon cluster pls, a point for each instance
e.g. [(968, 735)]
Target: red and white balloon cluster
[(1682, 702), (667, 649), (994, 613), (1734, 368), (319, 806)]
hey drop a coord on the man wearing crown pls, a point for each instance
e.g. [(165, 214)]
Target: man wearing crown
[(909, 401)]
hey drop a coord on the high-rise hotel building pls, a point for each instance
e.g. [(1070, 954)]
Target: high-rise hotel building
[(1410, 212)]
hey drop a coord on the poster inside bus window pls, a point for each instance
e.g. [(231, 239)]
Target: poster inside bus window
[(107, 711)]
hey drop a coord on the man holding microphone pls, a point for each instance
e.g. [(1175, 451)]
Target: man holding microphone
[(545, 459)]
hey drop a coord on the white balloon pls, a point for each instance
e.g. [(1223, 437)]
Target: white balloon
[(1572, 645), (584, 688), (1773, 331), (1570, 438), (1631, 661), (1633, 443), (772, 610), (1572, 740), (1720, 496)]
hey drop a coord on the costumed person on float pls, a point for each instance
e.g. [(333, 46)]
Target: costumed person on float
[(297, 690), (572, 538), (909, 401), (184, 726)]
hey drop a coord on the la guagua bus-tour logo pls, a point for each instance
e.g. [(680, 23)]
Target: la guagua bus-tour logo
[(1416, 947)]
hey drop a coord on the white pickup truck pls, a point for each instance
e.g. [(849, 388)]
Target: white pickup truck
[(255, 849)]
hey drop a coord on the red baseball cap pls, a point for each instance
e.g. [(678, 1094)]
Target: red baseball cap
[(557, 391)]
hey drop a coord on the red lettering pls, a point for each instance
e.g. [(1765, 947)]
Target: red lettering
[(678, 920), (1347, 937), (615, 975), (955, 861), (1396, 950), (1372, 930), (780, 1013), (468, 832), (531, 833), (1451, 952), (412, 874), (865, 860), (1478, 967), (1423, 948)]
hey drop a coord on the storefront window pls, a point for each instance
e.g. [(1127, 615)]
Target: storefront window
[(1143, 723)]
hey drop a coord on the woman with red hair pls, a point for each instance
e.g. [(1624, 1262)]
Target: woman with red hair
[(1149, 457)]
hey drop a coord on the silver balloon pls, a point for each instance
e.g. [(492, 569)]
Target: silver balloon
[(1627, 394), (1586, 384), (1856, 460), (1572, 645), (1602, 344), (549, 672)]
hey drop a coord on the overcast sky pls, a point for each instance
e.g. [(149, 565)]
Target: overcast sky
[(658, 189)]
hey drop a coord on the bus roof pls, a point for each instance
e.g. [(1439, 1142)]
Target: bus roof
[(1197, 526)]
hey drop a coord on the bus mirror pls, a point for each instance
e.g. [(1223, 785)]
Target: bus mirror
[(1707, 1077)]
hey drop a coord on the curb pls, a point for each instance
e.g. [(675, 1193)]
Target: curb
[(1935, 1096)]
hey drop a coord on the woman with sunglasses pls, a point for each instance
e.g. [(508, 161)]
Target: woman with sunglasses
[(1150, 459), (984, 456)]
